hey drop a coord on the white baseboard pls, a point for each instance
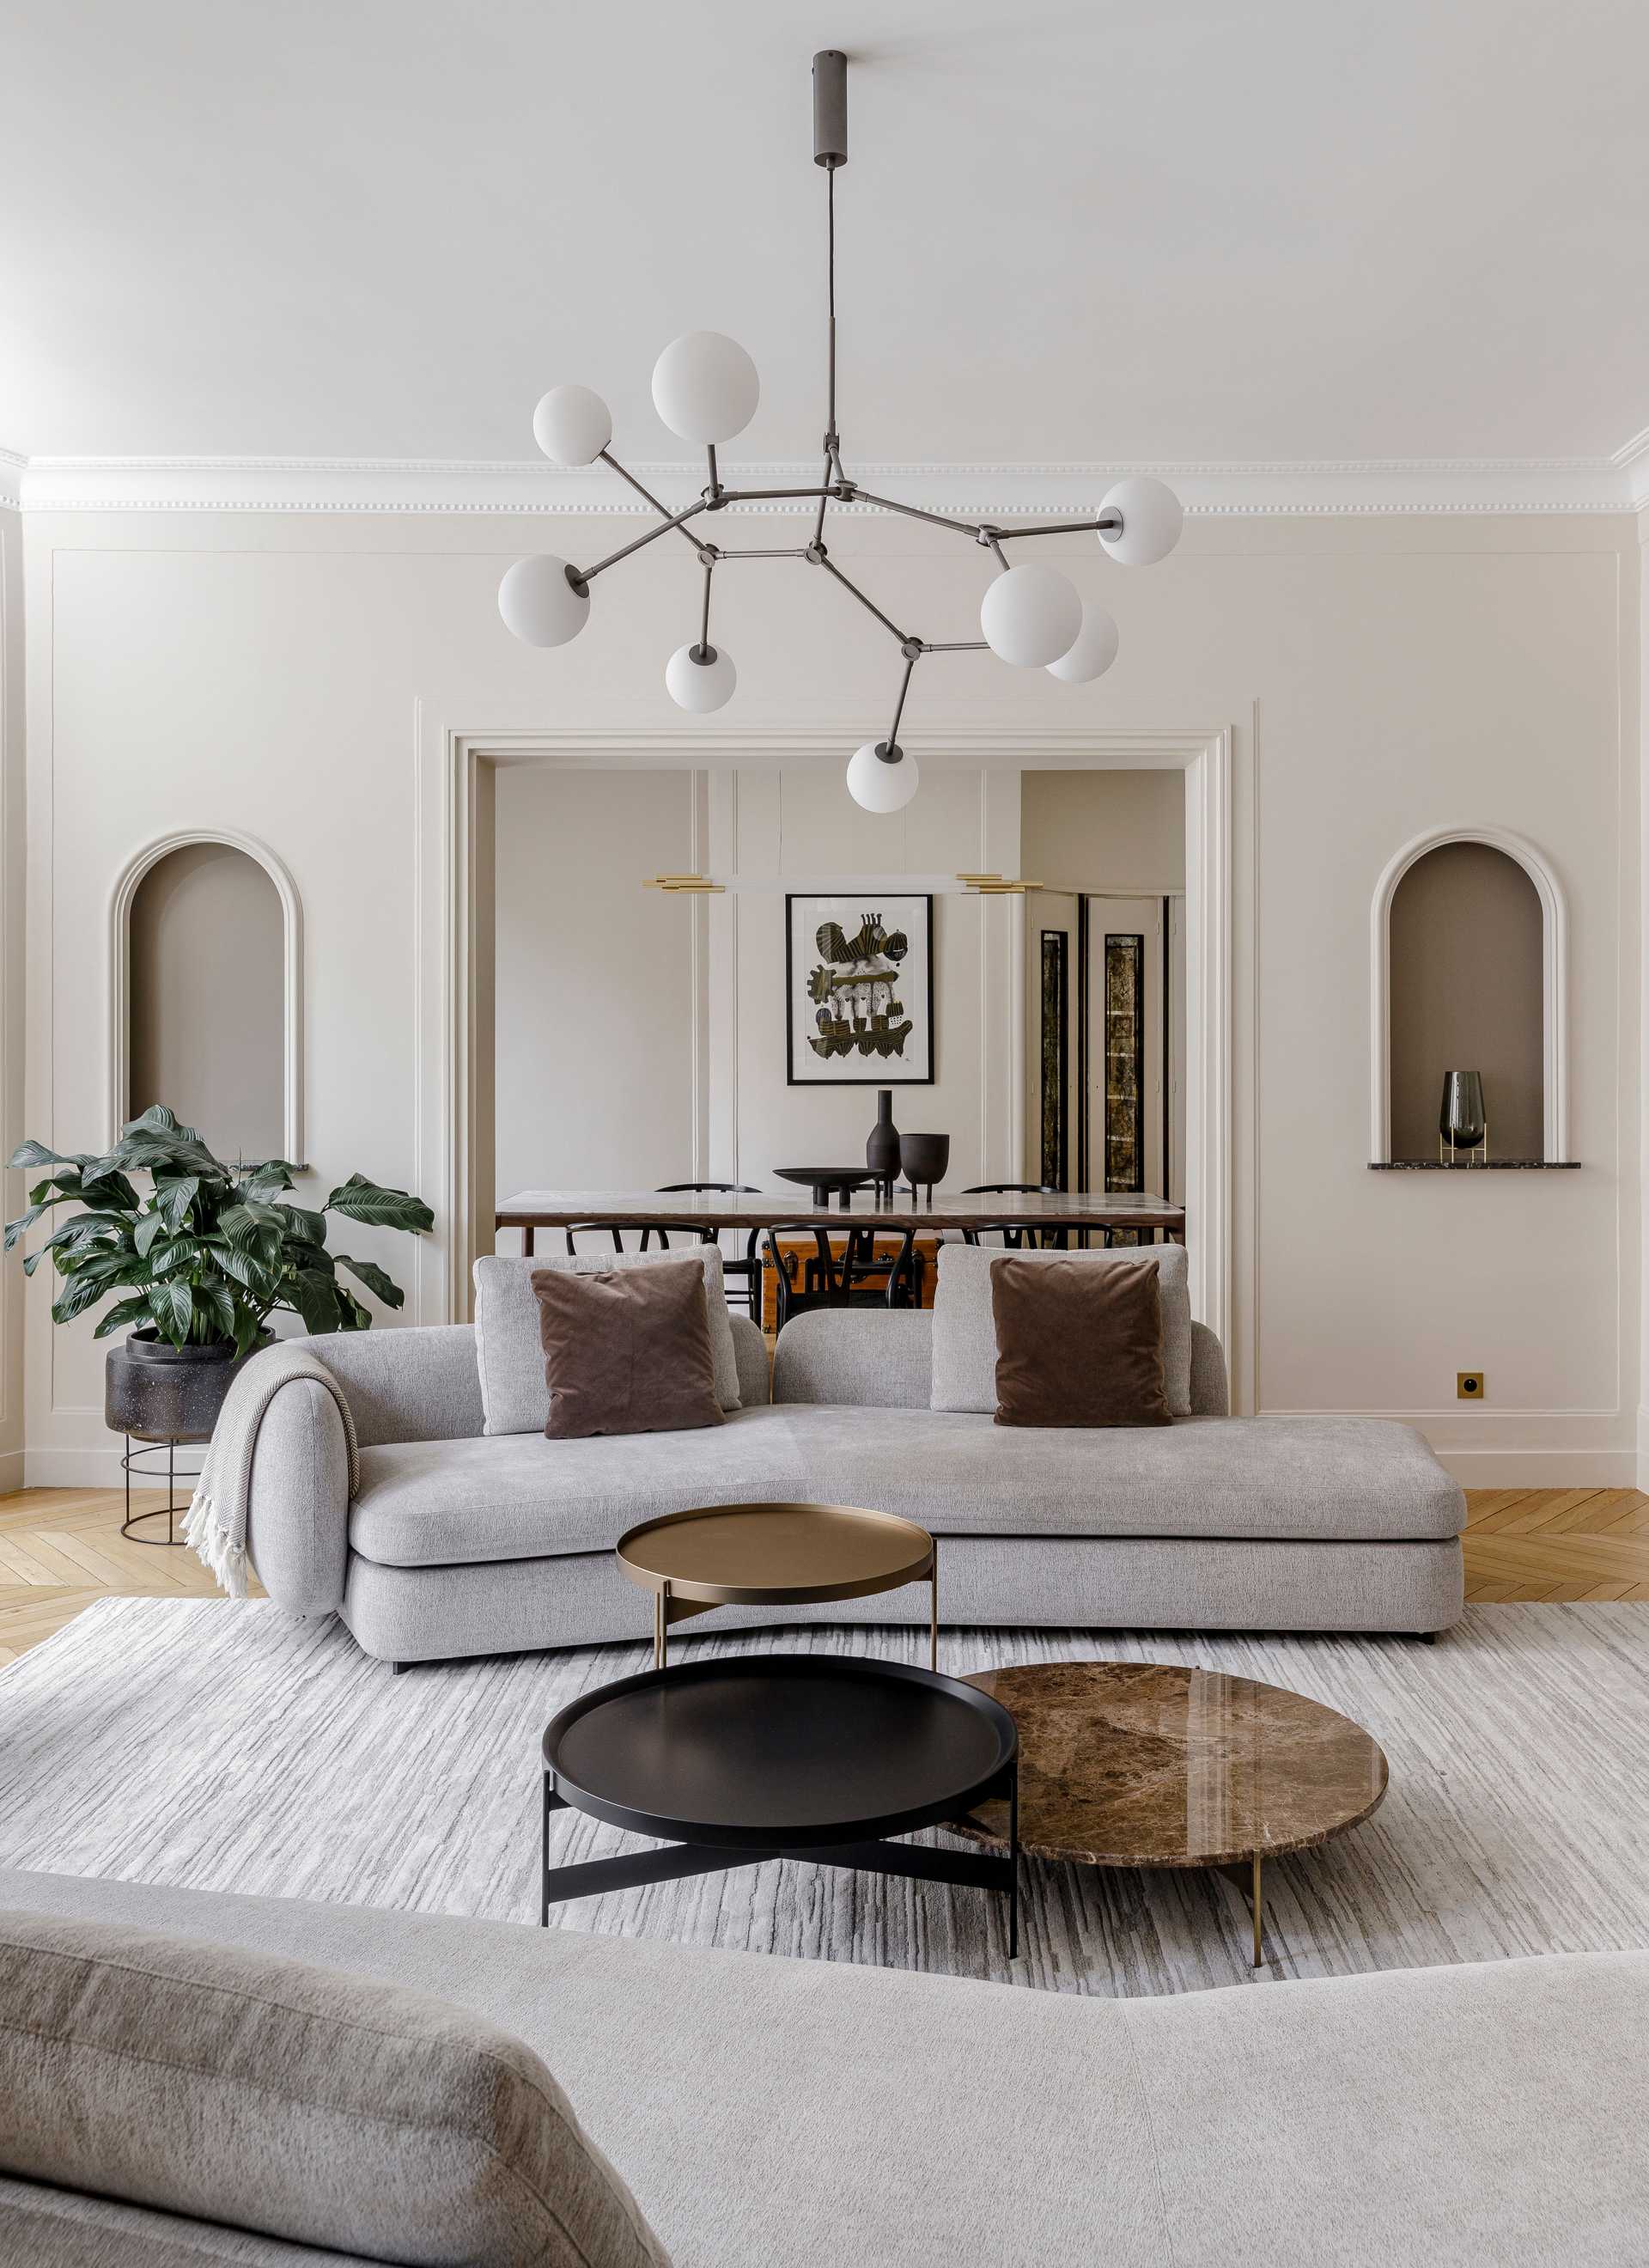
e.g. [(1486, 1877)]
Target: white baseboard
[(1559, 1469), (85, 1469)]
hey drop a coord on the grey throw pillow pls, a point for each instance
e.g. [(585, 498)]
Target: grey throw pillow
[(514, 1394), (965, 1331), (300, 2102)]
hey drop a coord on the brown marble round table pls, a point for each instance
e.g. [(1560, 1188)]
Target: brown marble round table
[(1131, 1763)]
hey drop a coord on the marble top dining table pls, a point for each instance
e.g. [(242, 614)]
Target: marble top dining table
[(534, 1209)]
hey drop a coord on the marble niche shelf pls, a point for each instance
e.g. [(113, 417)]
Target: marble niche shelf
[(1486, 1165)]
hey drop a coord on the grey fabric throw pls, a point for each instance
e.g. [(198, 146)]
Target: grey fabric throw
[(216, 1524)]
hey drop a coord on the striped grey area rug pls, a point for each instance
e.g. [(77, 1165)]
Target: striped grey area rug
[(221, 1746)]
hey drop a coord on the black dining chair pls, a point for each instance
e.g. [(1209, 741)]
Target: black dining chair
[(830, 1278), (744, 1276), (689, 1231), (1016, 1237)]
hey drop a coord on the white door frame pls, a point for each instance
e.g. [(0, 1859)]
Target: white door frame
[(444, 915)]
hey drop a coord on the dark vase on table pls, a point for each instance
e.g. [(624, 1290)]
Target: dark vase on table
[(925, 1159), (881, 1149)]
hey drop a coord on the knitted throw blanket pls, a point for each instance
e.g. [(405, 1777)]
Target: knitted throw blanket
[(216, 1524)]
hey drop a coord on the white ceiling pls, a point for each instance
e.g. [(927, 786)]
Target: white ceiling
[(1157, 231)]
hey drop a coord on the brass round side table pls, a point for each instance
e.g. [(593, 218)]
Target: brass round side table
[(774, 1555)]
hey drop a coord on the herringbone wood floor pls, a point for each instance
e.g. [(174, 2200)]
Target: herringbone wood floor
[(60, 1548)]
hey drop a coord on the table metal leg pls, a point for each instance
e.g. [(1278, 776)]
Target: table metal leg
[(543, 1870), (933, 1619), (1259, 1913), (657, 1630), (1013, 1865)]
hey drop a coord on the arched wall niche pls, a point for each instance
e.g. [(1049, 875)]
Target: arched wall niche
[(1474, 945), (205, 990)]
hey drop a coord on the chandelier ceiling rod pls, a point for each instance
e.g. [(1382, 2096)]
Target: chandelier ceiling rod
[(705, 388)]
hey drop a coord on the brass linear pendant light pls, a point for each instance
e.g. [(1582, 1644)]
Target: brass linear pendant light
[(705, 388)]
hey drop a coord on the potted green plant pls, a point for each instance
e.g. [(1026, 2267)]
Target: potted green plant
[(197, 1265)]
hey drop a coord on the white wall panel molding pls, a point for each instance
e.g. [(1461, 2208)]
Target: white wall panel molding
[(1350, 486), (12, 467), (1555, 981)]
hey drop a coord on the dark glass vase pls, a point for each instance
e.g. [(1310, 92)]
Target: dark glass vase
[(882, 1149), (1463, 1123)]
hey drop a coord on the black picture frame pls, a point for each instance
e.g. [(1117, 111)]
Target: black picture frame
[(863, 1065)]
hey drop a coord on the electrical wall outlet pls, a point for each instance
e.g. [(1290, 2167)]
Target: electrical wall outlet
[(1470, 1385)]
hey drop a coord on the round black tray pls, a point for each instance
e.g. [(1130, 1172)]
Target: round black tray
[(780, 1751)]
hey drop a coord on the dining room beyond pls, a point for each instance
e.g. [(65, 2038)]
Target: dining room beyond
[(1005, 962)]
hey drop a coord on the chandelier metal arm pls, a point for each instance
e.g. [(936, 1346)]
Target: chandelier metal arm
[(956, 645), (820, 558), (970, 527), (889, 750), (794, 551), (1108, 523), (585, 574), (702, 650), (663, 510)]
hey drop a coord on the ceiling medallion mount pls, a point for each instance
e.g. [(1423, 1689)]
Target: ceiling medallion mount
[(705, 388)]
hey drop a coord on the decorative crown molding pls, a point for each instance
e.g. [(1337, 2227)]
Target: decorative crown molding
[(1351, 487)]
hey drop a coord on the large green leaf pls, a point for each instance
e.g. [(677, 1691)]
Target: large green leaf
[(171, 1304), (213, 1299), (124, 1311), (244, 1266), (78, 1293), (266, 1181), (308, 1227), (173, 1198), (316, 1299), (152, 1225), (369, 1272), (36, 1153), (355, 1317), (359, 1199)]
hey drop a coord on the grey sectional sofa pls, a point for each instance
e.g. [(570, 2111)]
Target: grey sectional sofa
[(457, 1543), (780, 2114)]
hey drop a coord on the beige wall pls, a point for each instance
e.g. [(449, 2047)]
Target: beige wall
[(209, 998), (595, 1085), (1378, 676), (1122, 832), (1467, 994), (11, 991)]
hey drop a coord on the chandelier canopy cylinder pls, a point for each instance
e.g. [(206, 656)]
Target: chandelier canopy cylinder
[(705, 388)]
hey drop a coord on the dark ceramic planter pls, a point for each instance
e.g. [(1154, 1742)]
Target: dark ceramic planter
[(157, 1392)]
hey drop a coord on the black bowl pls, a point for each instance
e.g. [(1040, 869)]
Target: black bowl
[(925, 1159)]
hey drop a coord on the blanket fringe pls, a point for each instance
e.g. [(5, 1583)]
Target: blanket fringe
[(214, 1545)]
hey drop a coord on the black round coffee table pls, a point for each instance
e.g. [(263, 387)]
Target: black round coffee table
[(782, 1756)]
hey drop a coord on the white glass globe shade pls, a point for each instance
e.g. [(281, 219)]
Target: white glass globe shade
[(1031, 615), (571, 425), (1152, 517), (1093, 652), (539, 604), (699, 686), (877, 786), (705, 388)]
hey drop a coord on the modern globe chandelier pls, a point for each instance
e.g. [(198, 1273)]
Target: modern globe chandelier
[(705, 388)]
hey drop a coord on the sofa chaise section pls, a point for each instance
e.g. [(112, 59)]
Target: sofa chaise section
[(788, 2112), (459, 1543)]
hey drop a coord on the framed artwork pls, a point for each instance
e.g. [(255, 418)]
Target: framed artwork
[(858, 990)]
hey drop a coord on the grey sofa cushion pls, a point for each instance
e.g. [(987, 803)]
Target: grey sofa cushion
[(965, 1336), (425, 1505), (791, 2113), (304, 2103), (510, 1353), (46, 2228)]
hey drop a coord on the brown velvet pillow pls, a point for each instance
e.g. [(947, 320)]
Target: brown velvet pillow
[(626, 1350), (1078, 1345)]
